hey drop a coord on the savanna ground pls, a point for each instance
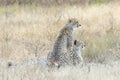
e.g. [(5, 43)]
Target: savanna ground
[(30, 31)]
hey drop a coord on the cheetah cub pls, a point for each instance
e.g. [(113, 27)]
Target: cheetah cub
[(63, 45), (77, 56)]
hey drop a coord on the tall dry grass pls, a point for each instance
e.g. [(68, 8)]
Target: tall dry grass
[(29, 30), (53, 2), (90, 71)]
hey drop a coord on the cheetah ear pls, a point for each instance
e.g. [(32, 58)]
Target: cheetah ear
[(70, 20), (75, 42)]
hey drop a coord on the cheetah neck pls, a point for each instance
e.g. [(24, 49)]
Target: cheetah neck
[(67, 31), (69, 27)]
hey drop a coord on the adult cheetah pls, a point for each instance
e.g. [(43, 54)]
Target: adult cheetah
[(63, 46)]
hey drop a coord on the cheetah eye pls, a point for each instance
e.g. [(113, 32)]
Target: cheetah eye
[(70, 20)]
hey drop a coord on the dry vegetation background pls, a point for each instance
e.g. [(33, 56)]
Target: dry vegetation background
[(53, 2), (29, 29)]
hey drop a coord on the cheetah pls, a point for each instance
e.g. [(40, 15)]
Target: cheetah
[(63, 45), (77, 47), (77, 57)]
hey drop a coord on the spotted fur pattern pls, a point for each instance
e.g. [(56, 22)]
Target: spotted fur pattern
[(77, 56), (63, 46)]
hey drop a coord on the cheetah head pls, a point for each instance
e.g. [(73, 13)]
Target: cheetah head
[(73, 23), (79, 45)]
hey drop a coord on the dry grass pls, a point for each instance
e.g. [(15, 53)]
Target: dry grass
[(90, 71), (31, 30), (26, 31), (53, 2)]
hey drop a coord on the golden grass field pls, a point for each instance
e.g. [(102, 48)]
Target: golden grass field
[(26, 31)]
